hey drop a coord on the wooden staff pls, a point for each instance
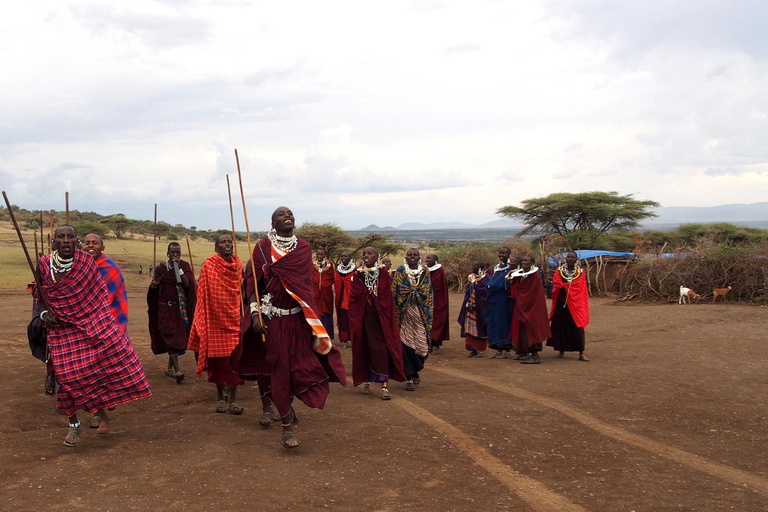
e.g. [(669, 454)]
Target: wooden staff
[(248, 230), (66, 201), (42, 239), (50, 236), (191, 264), (37, 254), (154, 243), (35, 274), (234, 242)]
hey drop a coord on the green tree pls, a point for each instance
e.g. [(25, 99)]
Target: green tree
[(327, 236), (119, 224), (580, 218), (82, 228)]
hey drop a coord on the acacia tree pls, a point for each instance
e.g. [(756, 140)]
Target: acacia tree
[(327, 236), (580, 218)]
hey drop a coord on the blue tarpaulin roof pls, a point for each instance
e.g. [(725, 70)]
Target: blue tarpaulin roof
[(586, 254)]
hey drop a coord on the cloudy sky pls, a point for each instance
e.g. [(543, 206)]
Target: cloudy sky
[(379, 112)]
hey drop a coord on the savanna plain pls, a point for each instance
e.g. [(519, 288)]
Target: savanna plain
[(669, 414)]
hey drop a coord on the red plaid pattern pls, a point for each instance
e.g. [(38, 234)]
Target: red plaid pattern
[(96, 366), (216, 327)]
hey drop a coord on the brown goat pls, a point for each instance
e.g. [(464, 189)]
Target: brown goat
[(720, 292)]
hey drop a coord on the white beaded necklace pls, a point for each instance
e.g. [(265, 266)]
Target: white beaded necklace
[(345, 269), (284, 243)]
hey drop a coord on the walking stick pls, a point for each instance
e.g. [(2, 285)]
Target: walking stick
[(42, 239), (50, 236), (37, 254), (66, 203), (35, 274), (154, 243), (191, 263), (248, 230), (234, 243)]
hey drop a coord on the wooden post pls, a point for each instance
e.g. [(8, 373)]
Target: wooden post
[(154, 245)]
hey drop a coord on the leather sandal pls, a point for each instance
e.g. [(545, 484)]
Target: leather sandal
[(221, 406), (50, 384), (236, 409), (289, 440), (73, 437)]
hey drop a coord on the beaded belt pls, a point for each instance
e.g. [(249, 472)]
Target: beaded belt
[(270, 311)]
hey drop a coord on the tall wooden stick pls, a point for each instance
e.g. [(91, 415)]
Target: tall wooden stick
[(42, 239), (234, 242), (250, 247), (154, 243), (191, 263), (50, 236), (37, 254), (66, 201), (35, 274)]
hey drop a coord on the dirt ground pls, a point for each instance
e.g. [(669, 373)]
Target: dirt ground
[(670, 414)]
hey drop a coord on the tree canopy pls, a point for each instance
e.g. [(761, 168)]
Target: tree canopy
[(581, 217)]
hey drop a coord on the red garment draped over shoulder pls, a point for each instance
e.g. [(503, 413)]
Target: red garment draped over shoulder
[(530, 309), (322, 284), (577, 297), (342, 283), (440, 327), (216, 327)]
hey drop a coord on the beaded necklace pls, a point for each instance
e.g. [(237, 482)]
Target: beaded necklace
[(283, 243), (371, 278), (473, 278), (499, 267), (326, 265), (414, 275), (570, 276), (60, 265), (345, 269)]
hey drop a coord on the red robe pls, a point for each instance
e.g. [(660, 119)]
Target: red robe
[(577, 297), (530, 310), (343, 285), (440, 329), (322, 284)]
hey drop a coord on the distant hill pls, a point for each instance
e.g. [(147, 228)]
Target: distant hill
[(669, 217), (734, 213)]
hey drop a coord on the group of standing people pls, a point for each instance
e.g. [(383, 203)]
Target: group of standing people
[(505, 309)]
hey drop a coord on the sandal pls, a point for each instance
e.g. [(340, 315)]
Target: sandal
[(417, 380), (103, 428), (170, 373), (481, 354), (366, 388), (409, 386), (289, 441), (50, 384), (267, 418), (179, 377), (505, 355), (582, 357), (95, 422), (532, 360), (474, 353), (236, 409), (385, 394), (497, 355), (221, 406), (73, 437)]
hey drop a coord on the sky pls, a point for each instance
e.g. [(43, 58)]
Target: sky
[(379, 112)]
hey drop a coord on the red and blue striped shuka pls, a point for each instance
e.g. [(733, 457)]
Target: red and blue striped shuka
[(96, 366), (294, 367), (118, 296)]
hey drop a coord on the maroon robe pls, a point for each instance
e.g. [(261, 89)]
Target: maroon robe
[(295, 369), (530, 313), (440, 329), (322, 285), (384, 358), (167, 330)]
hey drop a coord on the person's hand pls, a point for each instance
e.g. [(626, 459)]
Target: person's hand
[(153, 284), (256, 325), (48, 319)]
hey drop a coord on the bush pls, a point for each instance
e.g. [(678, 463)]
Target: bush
[(705, 265)]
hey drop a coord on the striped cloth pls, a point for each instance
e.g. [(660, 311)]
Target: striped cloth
[(96, 366), (216, 326), (322, 343), (118, 296)]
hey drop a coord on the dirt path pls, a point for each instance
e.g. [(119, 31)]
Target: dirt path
[(668, 415)]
